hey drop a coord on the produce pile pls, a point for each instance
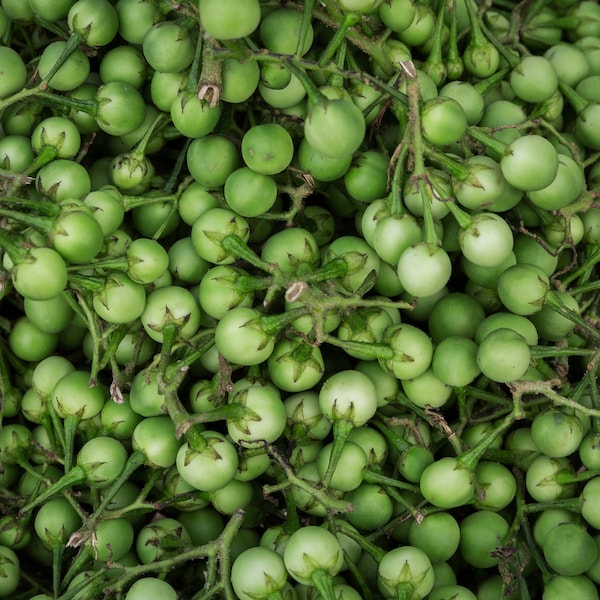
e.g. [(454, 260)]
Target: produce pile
[(299, 300)]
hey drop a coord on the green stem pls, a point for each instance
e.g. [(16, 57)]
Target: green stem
[(371, 45), (555, 351), (194, 71), (7, 389), (571, 504), (14, 246), (233, 244), (536, 552), (249, 283), (493, 145), (273, 324), (419, 171), (400, 158), (320, 493), (584, 269), (475, 31), (57, 560), (227, 412), (576, 100), (469, 458), (200, 344), (393, 439), (89, 316), (511, 59), (373, 349), (485, 85), (39, 222), (70, 423), (334, 269), (136, 459), (568, 478), (78, 564), (75, 40), (89, 107), (48, 154), (131, 202), (73, 477), (454, 63), (349, 20), (390, 483), (17, 179), (39, 205), (323, 581), (430, 235), (404, 591), (555, 303), (312, 91), (169, 337), (113, 263), (375, 551), (305, 26), (171, 182), (19, 96), (456, 169), (196, 441), (139, 152), (434, 65), (341, 431), (463, 218)]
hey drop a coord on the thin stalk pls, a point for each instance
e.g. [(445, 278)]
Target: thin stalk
[(319, 492), (373, 349), (391, 483), (372, 46), (454, 62), (400, 158), (312, 91), (463, 218), (139, 152), (136, 459), (171, 182), (70, 424), (584, 269), (341, 431), (273, 324), (554, 302), (22, 95), (349, 20), (72, 43), (14, 246), (568, 478), (489, 83), (435, 66), (455, 168), (375, 551), (323, 581), (233, 244), (89, 107), (73, 477), (511, 59), (493, 145), (40, 205), (194, 70), (469, 458), (419, 171), (57, 560), (576, 100), (305, 26), (131, 202)]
